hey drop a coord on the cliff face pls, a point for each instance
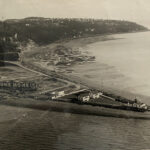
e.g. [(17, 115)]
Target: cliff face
[(45, 31)]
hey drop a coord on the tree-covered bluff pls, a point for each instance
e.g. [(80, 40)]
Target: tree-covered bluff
[(45, 31)]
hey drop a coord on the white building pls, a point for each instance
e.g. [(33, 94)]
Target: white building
[(84, 97), (57, 94), (96, 95)]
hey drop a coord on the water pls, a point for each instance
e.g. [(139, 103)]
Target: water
[(26, 129), (121, 64)]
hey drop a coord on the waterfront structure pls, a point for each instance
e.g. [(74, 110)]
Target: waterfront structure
[(84, 97), (95, 94), (57, 94)]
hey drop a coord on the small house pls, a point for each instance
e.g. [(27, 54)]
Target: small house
[(61, 93), (84, 97), (95, 94), (57, 94)]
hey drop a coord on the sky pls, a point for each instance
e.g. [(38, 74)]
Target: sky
[(132, 10)]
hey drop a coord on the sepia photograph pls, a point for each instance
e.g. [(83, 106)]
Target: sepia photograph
[(74, 75)]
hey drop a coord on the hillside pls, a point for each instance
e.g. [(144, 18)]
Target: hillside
[(45, 31)]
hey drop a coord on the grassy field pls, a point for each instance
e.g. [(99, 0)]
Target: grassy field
[(18, 74)]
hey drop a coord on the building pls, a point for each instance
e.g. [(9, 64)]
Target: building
[(84, 97), (61, 93), (95, 94), (57, 94)]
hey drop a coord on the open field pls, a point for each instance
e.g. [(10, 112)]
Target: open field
[(17, 74)]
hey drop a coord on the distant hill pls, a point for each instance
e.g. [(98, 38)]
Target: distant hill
[(45, 31)]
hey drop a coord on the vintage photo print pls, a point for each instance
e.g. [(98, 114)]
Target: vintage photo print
[(74, 75)]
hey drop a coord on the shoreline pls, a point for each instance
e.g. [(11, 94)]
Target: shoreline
[(98, 35), (126, 94), (73, 108), (28, 62), (76, 44)]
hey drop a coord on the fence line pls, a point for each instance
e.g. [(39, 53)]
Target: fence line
[(25, 85)]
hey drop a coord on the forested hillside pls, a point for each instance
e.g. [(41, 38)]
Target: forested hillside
[(45, 31)]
